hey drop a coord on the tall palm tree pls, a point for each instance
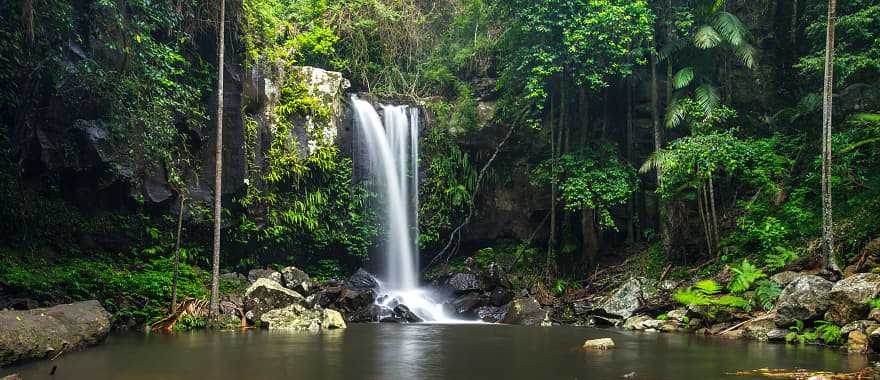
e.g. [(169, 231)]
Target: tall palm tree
[(827, 222), (218, 165)]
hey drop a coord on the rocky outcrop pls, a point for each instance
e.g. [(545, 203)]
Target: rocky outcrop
[(803, 299), (297, 280), (635, 295), (461, 283), (295, 317), (362, 280), (526, 312), (265, 295), (41, 333), (849, 297), (356, 304)]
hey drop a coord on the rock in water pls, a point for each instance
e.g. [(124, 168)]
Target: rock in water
[(526, 312), (333, 320), (857, 342), (265, 295), (40, 333), (599, 344), (636, 294), (295, 317), (256, 274), (849, 298), (806, 297), (362, 280)]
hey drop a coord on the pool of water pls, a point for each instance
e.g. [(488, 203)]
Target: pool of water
[(424, 351)]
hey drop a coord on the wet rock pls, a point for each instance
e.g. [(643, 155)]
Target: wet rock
[(636, 294), (857, 342), (805, 298), (599, 344), (362, 280), (526, 312), (760, 330), (874, 339), (402, 314), (467, 304), (785, 278), (864, 325), (462, 283), (668, 326), (332, 319), (265, 295), (636, 322), (500, 296), (680, 315), (370, 313), (777, 335), (295, 317), (491, 314), (356, 305), (293, 278), (256, 274), (849, 297), (874, 315), (40, 333)]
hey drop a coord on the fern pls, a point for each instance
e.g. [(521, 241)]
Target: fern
[(746, 275), (797, 333), (829, 332), (874, 303), (683, 77), (766, 294), (708, 287)]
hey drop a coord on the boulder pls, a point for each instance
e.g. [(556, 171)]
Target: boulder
[(526, 312), (461, 283), (874, 315), (265, 295), (356, 305), (293, 278), (332, 320), (849, 298), (864, 325), (637, 294), (805, 298), (636, 322), (256, 274), (777, 335), (874, 339), (401, 314), (785, 278), (362, 280), (680, 315), (491, 314), (760, 330), (40, 333), (295, 317), (466, 305), (500, 296), (599, 344), (857, 342)]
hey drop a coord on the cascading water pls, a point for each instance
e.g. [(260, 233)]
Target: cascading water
[(392, 147)]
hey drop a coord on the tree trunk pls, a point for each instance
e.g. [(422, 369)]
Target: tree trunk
[(218, 165), (714, 214), (827, 222), (664, 225), (27, 23), (551, 243), (704, 216), (630, 156), (590, 234), (177, 253)]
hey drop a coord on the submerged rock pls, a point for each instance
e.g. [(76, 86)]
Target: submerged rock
[(849, 297), (295, 317), (265, 295), (41, 333), (599, 344), (526, 312), (805, 298)]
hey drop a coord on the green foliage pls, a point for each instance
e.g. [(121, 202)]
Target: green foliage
[(707, 293), (830, 333), (597, 181), (797, 333), (766, 294), (857, 56), (134, 294), (874, 303), (745, 276)]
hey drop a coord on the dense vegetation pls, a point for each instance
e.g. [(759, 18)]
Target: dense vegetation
[(684, 132)]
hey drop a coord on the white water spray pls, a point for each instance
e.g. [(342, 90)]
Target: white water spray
[(392, 148)]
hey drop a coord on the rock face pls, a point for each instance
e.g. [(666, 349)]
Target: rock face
[(805, 298), (849, 297), (295, 317), (526, 312), (462, 283), (39, 333), (329, 88), (266, 295)]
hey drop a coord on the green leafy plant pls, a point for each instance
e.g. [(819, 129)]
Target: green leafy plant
[(706, 293), (874, 303), (766, 293), (746, 275), (799, 334), (829, 332)]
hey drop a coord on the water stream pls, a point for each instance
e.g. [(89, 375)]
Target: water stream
[(392, 143)]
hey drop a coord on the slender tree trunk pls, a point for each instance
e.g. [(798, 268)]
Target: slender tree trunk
[(704, 216), (663, 225), (177, 253), (551, 243), (218, 164), (630, 156), (827, 222), (590, 234), (714, 214), (27, 23)]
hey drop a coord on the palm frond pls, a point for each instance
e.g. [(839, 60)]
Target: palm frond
[(857, 145), (729, 26), (707, 97), (683, 77), (706, 37), (865, 118), (675, 113), (671, 48), (657, 160), (747, 54)]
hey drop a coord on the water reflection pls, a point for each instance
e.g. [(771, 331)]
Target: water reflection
[(419, 351)]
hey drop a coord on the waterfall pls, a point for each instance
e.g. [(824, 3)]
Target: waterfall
[(391, 143)]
